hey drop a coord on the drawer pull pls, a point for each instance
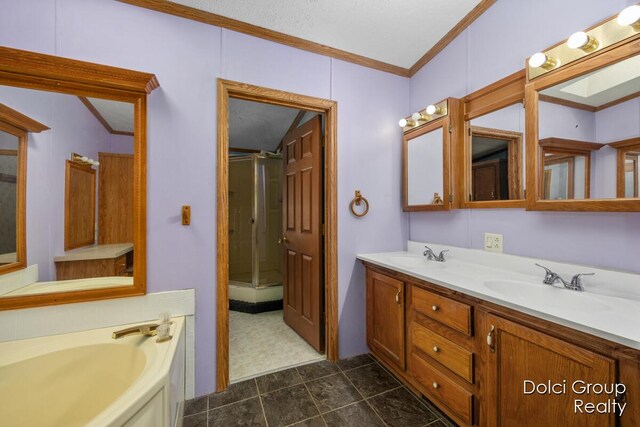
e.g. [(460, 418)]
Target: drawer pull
[(398, 297), (435, 348), (435, 385), (490, 339), (434, 307)]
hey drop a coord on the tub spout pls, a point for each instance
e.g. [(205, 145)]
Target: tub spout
[(149, 330)]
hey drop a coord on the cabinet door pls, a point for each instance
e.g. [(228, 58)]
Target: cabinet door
[(385, 318), (522, 358)]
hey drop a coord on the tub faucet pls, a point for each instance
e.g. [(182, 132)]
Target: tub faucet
[(432, 256), (551, 278), (148, 329)]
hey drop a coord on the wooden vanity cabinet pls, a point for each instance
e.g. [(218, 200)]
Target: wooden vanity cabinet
[(518, 354), (386, 318), (471, 357)]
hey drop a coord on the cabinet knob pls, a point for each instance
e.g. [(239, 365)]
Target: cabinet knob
[(434, 307), (398, 297), (435, 348), (435, 385)]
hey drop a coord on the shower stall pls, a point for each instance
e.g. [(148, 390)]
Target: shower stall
[(255, 225)]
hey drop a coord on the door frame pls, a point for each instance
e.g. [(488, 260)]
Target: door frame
[(230, 89)]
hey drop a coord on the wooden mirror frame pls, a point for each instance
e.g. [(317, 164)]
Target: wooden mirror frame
[(55, 74), (496, 96), (451, 133), (616, 53), (623, 147)]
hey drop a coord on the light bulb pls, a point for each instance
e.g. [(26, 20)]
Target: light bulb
[(84, 158), (582, 40), (541, 60), (416, 116), (96, 163), (431, 110), (402, 122), (629, 16), (90, 161)]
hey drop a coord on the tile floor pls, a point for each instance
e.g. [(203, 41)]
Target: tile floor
[(262, 343), (355, 392)]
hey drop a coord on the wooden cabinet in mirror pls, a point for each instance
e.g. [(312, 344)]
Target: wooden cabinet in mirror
[(87, 187)]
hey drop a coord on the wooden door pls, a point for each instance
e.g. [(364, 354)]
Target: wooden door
[(522, 354), (486, 180), (302, 214), (115, 198), (79, 206), (385, 318)]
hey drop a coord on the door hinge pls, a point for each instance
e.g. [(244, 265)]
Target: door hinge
[(469, 131), (470, 197), (323, 229), (450, 129), (451, 198)]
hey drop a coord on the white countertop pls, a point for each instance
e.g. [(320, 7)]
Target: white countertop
[(608, 308), (96, 252)]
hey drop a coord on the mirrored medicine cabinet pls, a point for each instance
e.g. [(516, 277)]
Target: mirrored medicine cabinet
[(72, 143), (583, 130)]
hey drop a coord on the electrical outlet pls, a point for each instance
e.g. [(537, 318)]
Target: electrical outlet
[(493, 242)]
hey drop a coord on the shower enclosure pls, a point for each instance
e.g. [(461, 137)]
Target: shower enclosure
[(255, 225)]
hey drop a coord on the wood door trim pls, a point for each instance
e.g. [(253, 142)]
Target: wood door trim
[(299, 43), (227, 89)]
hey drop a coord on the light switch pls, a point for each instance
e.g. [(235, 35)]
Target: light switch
[(493, 242)]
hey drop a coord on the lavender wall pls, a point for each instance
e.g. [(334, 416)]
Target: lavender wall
[(188, 57), (493, 47)]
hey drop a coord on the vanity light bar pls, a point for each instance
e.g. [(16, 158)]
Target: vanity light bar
[(419, 118), (83, 160), (583, 43)]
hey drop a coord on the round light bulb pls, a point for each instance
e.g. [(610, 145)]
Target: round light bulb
[(90, 161), (629, 16), (416, 116), (402, 122), (431, 109), (537, 60), (578, 40), (96, 163), (84, 158)]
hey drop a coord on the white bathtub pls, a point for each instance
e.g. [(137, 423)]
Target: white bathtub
[(89, 379)]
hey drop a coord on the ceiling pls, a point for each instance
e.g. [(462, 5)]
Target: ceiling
[(258, 126), (117, 115), (391, 31)]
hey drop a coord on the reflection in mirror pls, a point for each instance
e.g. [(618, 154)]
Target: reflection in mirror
[(497, 155), (425, 184), (565, 176), (80, 193), (8, 197), (631, 177), (584, 121)]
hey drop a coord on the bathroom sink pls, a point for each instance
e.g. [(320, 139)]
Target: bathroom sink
[(545, 295)]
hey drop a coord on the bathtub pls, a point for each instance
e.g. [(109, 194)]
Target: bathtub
[(89, 379)]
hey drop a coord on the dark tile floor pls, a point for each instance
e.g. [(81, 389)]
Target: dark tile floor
[(354, 392)]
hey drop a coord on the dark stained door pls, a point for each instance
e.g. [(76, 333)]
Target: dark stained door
[(302, 232)]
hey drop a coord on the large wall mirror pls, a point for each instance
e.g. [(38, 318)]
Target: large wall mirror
[(84, 178), (585, 134)]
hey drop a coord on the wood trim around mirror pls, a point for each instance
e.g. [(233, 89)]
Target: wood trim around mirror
[(535, 201), (496, 96), (442, 123), (55, 74)]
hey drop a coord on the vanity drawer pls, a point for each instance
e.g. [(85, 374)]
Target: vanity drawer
[(452, 313), (450, 354), (443, 390)]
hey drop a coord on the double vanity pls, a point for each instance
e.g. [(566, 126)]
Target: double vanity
[(481, 336)]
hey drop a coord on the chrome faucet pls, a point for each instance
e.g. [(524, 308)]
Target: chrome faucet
[(148, 329), (432, 256), (551, 278)]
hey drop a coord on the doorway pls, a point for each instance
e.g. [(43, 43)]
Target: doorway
[(260, 275)]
